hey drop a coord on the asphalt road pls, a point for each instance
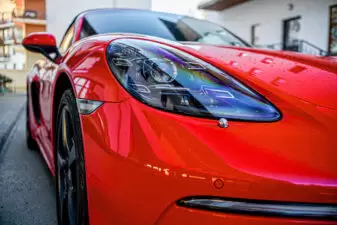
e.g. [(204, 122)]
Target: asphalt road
[(27, 189)]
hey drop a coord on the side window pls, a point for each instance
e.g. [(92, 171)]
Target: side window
[(67, 39)]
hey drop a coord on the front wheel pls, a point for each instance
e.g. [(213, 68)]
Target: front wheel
[(71, 193)]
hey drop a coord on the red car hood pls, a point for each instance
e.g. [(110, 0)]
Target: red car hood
[(311, 79)]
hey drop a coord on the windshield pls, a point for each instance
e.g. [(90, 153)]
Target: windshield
[(163, 25)]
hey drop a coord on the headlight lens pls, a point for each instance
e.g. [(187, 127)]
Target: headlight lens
[(172, 80)]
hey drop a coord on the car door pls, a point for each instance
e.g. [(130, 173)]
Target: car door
[(47, 76)]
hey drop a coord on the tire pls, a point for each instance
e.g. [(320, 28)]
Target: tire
[(71, 192), (31, 143)]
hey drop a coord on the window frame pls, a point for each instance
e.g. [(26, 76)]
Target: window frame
[(83, 29), (75, 24)]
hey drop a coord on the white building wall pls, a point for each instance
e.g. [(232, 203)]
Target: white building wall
[(134, 4), (270, 15), (60, 13), (183, 7)]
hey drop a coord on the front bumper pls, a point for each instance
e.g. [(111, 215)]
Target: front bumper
[(184, 216), (140, 161)]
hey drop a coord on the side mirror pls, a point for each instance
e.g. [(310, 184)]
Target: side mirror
[(44, 43)]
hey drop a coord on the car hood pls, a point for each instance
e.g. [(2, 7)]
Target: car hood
[(309, 78)]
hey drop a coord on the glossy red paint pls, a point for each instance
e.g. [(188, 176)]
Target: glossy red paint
[(90, 72), (140, 160), (78, 24), (162, 157), (39, 39)]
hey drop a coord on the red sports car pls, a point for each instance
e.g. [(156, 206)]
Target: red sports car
[(152, 118)]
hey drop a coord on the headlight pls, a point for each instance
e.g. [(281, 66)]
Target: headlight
[(172, 80)]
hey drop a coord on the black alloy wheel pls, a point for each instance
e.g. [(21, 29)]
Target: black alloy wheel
[(71, 193)]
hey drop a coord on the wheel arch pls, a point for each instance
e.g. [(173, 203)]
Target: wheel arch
[(62, 83)]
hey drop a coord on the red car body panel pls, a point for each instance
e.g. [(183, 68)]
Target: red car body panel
[(140, 160), (157, 166)]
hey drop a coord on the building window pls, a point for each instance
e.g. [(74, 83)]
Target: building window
[(333, 30), (254, 34), (291, 33)]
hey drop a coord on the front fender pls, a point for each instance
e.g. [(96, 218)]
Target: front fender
[(86, 66)]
